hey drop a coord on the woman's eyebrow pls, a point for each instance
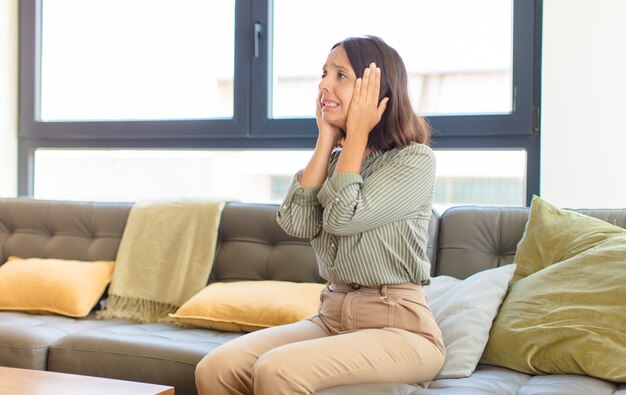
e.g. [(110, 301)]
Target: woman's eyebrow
[(339, 66)]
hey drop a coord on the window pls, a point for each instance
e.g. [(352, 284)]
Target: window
[(494, 177), (241, 75), (97, 65), (458, 54), (463, 177), (131, 175)]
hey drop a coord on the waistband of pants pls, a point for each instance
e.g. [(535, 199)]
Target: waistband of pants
[(375, 289)]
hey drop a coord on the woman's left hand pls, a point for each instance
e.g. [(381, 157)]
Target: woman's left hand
[(365, 111)]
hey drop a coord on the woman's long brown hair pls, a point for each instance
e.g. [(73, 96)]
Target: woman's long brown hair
[(399, 125)]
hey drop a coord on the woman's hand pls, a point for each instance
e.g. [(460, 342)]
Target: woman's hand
[(365, 111), (328, 132), (316, 171)]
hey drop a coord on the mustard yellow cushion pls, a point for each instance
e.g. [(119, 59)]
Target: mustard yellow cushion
[(566, 311), (246, 306), (65, 287)]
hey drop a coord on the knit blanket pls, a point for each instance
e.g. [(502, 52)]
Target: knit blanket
[(164, 258)]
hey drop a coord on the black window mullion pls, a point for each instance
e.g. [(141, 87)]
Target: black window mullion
[(29, 38), (242, 97), (260, 92)]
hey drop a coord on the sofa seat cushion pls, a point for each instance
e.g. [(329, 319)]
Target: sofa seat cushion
[(25, 338), (491, 380), (159, 353)]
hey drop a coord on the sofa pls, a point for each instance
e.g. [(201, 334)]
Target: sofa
[(251, 246)]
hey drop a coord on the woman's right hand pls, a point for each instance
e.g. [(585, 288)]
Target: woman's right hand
[(316, 171), (328, 133)]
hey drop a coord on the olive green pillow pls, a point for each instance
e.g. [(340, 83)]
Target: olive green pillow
[(566, 310)]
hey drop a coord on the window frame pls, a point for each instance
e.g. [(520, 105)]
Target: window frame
[(250, 126), (31, 125), (517, 123)]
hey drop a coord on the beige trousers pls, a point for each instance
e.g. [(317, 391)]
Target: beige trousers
[(364, 335)]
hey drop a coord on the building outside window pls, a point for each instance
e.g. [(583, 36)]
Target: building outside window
[(463, 177)]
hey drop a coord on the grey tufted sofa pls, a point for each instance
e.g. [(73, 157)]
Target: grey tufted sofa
[(464, 240)]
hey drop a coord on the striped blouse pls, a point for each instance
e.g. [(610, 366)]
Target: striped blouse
[(372, 228)]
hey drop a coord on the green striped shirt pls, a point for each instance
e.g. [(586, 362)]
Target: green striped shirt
[(372, 228)]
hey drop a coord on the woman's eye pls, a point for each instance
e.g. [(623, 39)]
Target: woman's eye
[(342, 75)]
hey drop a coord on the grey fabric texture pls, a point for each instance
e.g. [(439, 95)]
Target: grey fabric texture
[(251, 246)]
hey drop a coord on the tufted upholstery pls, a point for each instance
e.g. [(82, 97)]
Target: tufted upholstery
[(252, 246), (472, 239), (51, 229), (66, 230)]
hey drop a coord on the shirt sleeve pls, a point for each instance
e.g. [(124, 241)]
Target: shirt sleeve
[(300, 214), (399, 189)]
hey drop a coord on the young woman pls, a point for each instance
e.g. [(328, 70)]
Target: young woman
[(364, 200)]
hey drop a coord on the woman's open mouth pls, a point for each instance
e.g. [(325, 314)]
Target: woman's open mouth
[(329, 104)]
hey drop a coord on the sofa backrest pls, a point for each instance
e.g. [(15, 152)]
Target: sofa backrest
[(251, 245), (86, 231), (473, 238)]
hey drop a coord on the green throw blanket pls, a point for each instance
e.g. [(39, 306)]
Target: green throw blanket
[(165, 257)]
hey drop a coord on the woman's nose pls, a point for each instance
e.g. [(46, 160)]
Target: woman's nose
[(324, 85)]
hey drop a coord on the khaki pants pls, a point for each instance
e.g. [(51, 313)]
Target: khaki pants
[(364, 335)]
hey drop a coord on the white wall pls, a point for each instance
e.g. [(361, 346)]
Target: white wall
[(8, 98), (583, 143)]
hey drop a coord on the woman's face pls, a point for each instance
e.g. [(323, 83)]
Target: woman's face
[(336, 87)]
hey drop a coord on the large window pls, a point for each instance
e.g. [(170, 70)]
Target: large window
[(458, 53), (241, 75), (137, 59), (463, 177)]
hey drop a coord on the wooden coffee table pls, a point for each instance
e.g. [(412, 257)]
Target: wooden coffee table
[(36, 382)]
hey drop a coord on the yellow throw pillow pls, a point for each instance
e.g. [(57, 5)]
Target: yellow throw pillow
[(65, 287), (246, 306), (566, 312)]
